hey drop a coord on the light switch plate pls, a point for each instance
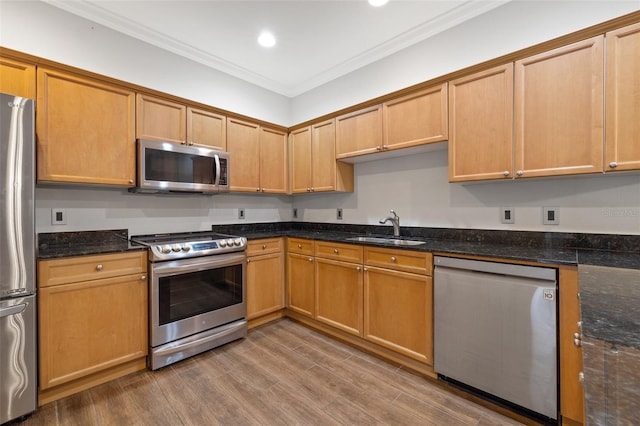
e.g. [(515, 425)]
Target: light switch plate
[(550, 216), (507, 215), (58, 216)]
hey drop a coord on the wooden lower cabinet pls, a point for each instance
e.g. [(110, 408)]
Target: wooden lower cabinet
[(301, 289), (339, 295), (398, 312), (92, 330), (265, 279)]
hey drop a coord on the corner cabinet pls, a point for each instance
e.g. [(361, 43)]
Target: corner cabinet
[(86, 130), (313, 161), (559, 111), (622, 147), (92, 319), (265, 280), (258, 158), (17, 78)]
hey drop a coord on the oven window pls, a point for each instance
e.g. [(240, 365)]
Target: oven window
[(186, 295), (178, 167)]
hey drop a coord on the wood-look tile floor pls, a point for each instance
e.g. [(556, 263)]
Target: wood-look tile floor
[(283, 373)]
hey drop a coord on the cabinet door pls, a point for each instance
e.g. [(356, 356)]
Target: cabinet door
[(339, 295), (17, 78), (85, 130), (244, 155), (300, 148), (274, 170), (559, 111), (160, 119), (623, 99), (90, 326), (481, 125), (359, 132), (416, 119), (398, 312), (265, 284), (206, 128), (301, 289), (571, 390), (327, 174)]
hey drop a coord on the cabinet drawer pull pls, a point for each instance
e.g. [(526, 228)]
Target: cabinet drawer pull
[(336, 251), (393, 258), (99, 267), (299, 246), (264, 246)]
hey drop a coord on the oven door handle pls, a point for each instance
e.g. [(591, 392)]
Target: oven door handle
[(184, 266), (181, 346)]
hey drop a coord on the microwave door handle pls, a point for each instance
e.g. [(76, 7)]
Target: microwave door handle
[(217, 160)]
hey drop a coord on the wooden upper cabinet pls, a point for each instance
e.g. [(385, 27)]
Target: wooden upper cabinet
[(206, 128), (481, 125), (17, 78), (274, 170), (160, 119), (416, 119), (86, 130), (622, 146), (300, 150), (559, 111), (244, 155), (359, 132), (313, 161)]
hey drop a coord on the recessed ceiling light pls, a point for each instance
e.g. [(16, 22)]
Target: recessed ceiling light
[(378, 3), (266, 39)]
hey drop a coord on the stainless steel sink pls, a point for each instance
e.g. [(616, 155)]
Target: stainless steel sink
[(381, 240)]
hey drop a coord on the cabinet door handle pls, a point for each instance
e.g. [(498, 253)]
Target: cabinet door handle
[(358, 268), (365, 269), (393, 258), (183, 142), (379, 148), (143, 277), (257, 189), (506, 173), (248, 260), (99, 267), (581, 377), (311, 259), (308, 189), (131, 181), (519, 172), (613, 164)]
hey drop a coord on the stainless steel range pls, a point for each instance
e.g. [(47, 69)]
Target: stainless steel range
[(196, 295)]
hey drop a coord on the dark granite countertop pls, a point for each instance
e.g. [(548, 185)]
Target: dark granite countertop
[(69, 244), (551, 248)]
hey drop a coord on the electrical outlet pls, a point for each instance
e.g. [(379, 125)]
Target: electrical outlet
[(550, 216), (339, 213), (240, 213), (295, 212), (58, 216), (507, 215)]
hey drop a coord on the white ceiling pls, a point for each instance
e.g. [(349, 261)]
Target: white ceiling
[(317, 41)]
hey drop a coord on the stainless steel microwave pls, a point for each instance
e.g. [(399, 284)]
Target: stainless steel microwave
[(171, 167)]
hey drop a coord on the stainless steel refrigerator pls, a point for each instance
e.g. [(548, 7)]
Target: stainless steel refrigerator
[(18, 372)]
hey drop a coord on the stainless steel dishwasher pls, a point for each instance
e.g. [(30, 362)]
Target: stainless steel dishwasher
[(495, 331)]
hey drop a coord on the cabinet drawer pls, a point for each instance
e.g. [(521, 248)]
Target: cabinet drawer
[(264, 246), (401, 260), (85, 268), (338, 251), (298, 245)]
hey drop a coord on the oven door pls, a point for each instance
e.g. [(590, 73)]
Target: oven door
[(193, 295)]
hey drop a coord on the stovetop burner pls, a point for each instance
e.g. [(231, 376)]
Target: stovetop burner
[(189, 244)]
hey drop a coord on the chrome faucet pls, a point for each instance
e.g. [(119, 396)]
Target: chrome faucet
[(395, 220)]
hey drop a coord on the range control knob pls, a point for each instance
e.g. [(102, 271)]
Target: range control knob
[(230, 242), (165, 249), (186, 247), (237, 242), (222, 243), (176, 247)]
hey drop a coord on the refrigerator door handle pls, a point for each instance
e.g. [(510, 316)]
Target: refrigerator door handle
[(13, 310)]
